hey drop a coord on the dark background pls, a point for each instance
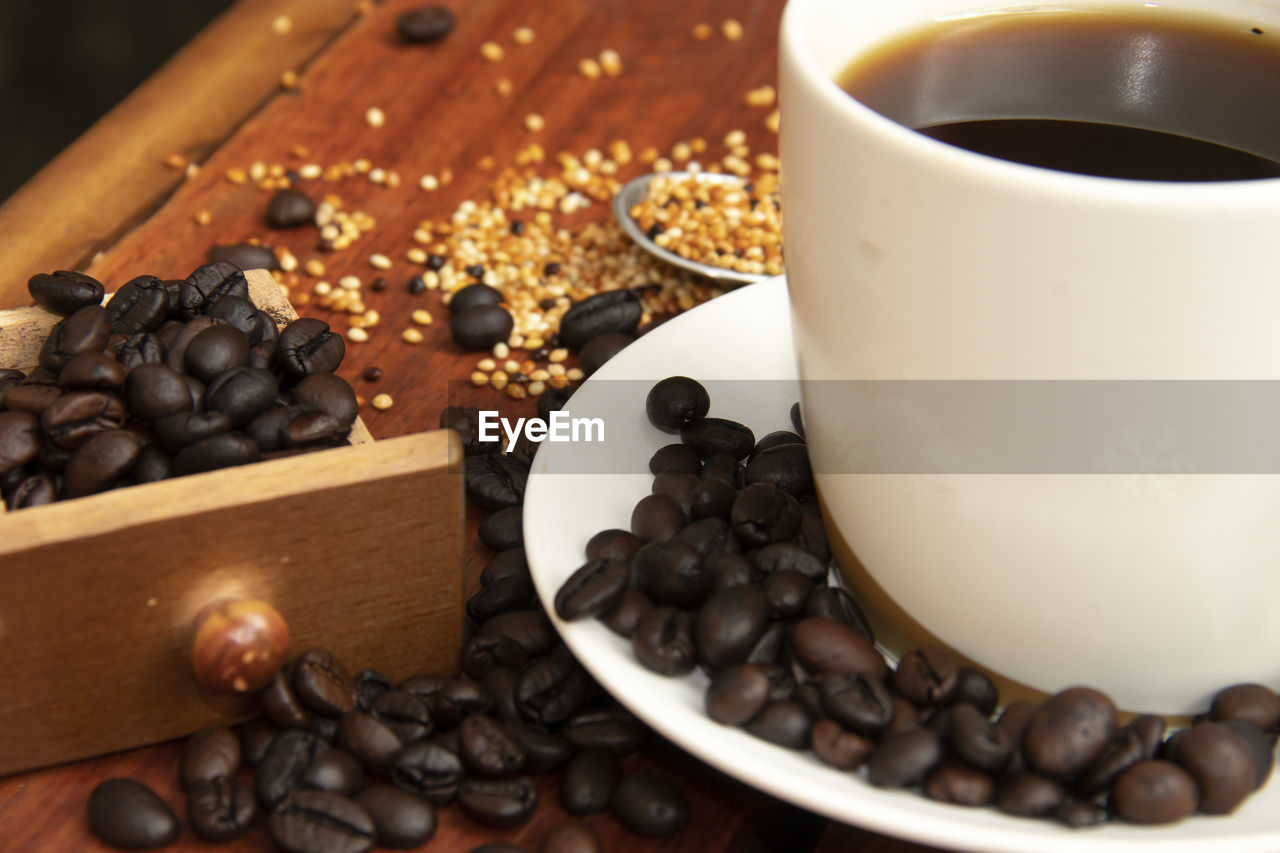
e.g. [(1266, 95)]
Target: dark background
[(65, 63)]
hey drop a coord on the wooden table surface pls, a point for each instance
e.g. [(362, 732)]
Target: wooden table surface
[(113, 206)]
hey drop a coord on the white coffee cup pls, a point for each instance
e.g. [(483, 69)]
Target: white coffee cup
[(908, 259)]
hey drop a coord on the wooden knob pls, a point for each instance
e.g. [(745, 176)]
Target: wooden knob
[(239, 645)]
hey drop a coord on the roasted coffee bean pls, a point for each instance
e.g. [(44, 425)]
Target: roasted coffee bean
[(311, 429), (474, 296), (1078, 814), (571, 837), (762, 515), (428, 770), (480, 327), (290, 208), (306, 346), (977, 740), (785, 723), (623, 618), (722, 466), (612, 311), (663, 641), (709, 536), (707, 436), (1220, 762), (31, 491), (144, 348), (829, 602), (225, 450), (329, 394), (242, 394), (370, 684), (973, 686), (958, 784), (449, 700), (613, 728), (499, 847), (860, 703), (488, 749), (813, 536), (904, 759), (186, 428), (92, 371), (500, 683), (529, 628), (404, 713), (323, 684), (551, 690), (822, 646), (729, 569), (675, 459), (784, 556), (281, 704), (772, 644), (334, 770), (75, 417), (239, 313), (679, 487), (220, 809), (600, 349), (127, 814), (87, 330), (1068, 731), (647, 803), (837, 748), (1126, 747), (321, 822), (786, 466), (729, 624), (153, 465), (19, 440), (671, 572), (613, 544), (101, 463), (466, 423), (514, 592), (209, 283), (927, 676), (674, 402), (657, 518), (140, 305), (245, 256), (1028, 794), (325, 728), (544, 752), (33, 394), (255, 738), (774, 439), (712, 498), (593, 590), (1153, 792), (503, 529), (64, 292), (210, 752), (501, 804), (588, 781), (401, 821), (494, 481), (155, 390), (737, 694), (285, 764), (1255, 704), (786, 591), (8, 377), (796, 421), (425, 24), (373, 743), (215, 350)]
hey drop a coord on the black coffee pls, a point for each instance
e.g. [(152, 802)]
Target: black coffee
[(1136, 93)]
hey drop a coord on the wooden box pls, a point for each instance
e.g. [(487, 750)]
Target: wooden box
[(360, 548)]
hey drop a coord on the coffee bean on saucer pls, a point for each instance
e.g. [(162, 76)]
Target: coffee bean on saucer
[(1068, 731), (729, 624), (1154, 792), (663, 641), (724, 467), (594, 589), (926, 676), (613, 544), (709, 537), (796, 421), (588, 781), (972, 685), (289, 209), (1127, 747), (785, 466), (976, 740), (1221, 764), (319, 822), (425, 24), (600, 349), (708, 436), (783, 722), (612, 311), (64, 292), (737, 693), (498, 803), (648, 804), (1078, 814), (209, 753), (623, 618), (1255, 704), (127, 814), (679, 488), (1029, 794), (959, 784), (657, 518), (675, 401), (762, 515), (822, 645), (503, 529), (220, 809), (671, 572), (784, 556), (830, 602), (401, 821), (480, 327), (675, 458), (836, 747)]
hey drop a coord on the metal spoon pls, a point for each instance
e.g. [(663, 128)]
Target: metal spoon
[(637, 190)]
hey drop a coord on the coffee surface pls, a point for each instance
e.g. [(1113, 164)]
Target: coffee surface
[(1143, 94)]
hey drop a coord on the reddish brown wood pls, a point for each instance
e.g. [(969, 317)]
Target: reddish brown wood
[(442, 111)]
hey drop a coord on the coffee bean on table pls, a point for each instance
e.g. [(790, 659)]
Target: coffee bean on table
[(503, 529), (64, 292), (285, 764), (600, 349), (323, 684), (321, 822), (1255, 704), (708, 436), (281, 704), (1029, 794), (246, 256), (762, 515), (404, 713), (334, 770), (1153, 792), (502, 596), (425, 24), (127, 814), (647, 803), (1068, 731), (729, 624), (822, 645), (488, 749), (611, 311), (290, 208), (209, 753), (498, 803), (371, 741), (255, 738), (588, 781), (401, 821), (480, 327), (904, 759), (551, 690), (87, 330), (1221, 764), (571, 837), (613, 728), (544, 752), (428, 770), (594, 589), (674, 402), (306, 346), (835, 747), (220, 809), (927, 676), (494, 481)]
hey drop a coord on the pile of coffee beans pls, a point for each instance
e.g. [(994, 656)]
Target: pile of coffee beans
[(727, 569), (167, 378)]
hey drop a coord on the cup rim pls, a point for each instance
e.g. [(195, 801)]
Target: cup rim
[(1260, 192)]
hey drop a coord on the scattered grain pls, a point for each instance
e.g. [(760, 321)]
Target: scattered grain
[(702, 32), (731, 29), (289, 80), (534, 122), (357, 335), (203, 217), (523, 35), (503, 87), (610, 62), (589, 68), (380, 261), (422, 317), (763, 96), (491, 51), (411, 336), (382, 402), (374, 117)]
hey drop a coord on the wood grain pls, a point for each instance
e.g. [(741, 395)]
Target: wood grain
[(442, 112)]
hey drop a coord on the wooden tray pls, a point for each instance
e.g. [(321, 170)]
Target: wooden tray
[(360, 548)]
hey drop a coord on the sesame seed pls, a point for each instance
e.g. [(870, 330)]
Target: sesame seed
[(411, 336), (479, 379), (503, 87), (491, 51), (731, 29), (662, 164), (380, 261), (430, 183), (378, 175), (382, 402), (357, 335), (534, 122), (522, 35), (374, 117), (589, 68), (610, 62), (554, 370), (416, 255), (175, 161), (702, 32), (282, 25)]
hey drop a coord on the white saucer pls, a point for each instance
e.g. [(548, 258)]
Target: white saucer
[(746, 334)]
